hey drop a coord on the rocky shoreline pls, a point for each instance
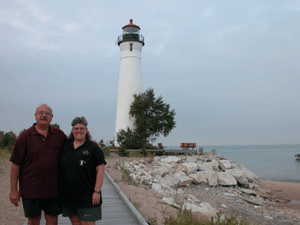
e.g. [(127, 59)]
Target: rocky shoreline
[(207, 184)]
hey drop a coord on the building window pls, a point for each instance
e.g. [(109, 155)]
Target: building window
[(130, 46)]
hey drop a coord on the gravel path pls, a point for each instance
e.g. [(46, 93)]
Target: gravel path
[(9, 214)]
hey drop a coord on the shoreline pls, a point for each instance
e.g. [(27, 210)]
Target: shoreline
[(283, 190)]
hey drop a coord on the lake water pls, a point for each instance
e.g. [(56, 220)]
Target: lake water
[(272, 162)]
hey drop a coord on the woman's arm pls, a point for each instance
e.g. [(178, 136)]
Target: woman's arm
[(98, 185)]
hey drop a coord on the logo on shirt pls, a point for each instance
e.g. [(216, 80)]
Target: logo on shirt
[(81, 162), (86, 152)]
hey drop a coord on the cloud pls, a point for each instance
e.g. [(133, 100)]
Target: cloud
[(207, 12), (35, 10), (70, 27), (35, 39)]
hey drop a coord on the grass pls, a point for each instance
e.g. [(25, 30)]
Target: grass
[(126, 174), (139, 154), (4, 154), (186, 217)]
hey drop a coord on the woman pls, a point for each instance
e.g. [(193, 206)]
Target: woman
[(81, 176)]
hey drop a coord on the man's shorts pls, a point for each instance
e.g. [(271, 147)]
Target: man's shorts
[(85, 214), (34, 206)]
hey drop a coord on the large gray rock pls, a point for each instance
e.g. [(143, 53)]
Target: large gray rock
[(191, 159), (204, 208), (204, 166), (191, 167), (225, 164), (171, 159), (249, 175), (226, 179), (211, 177), (184, 180), (170, 201), (239, 176), (161, 170), (199, 178), (215, 164)]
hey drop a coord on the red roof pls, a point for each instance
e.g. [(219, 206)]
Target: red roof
[(131, 25)]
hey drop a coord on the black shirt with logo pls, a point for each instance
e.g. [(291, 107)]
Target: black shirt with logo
[(77, 173)]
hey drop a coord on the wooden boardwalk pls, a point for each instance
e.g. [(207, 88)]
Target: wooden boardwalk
[(116, 208)]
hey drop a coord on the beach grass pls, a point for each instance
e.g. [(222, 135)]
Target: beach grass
[(5, 153), (186, 217)]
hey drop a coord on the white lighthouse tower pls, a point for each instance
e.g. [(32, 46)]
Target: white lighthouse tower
[(131, 43)]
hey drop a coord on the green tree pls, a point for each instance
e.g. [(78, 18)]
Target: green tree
[(22, 131), (152, 118), (8, 140), (56, 125), (129, 139)]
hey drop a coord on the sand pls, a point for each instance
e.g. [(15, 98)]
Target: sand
[(147, 203)]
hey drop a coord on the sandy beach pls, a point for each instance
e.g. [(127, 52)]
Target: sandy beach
[(285, 196)]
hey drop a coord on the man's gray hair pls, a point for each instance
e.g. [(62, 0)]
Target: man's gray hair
[(45, 105), (81, 120)]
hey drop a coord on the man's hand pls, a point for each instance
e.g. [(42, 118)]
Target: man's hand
[(15, 197)]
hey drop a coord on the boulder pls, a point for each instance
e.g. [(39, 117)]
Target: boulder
[(204, 166), (161, 171), (171, 159), (191, 159), (204, 208), (199, 178), (239, 176), (170, 201), (226, 179), (191, 167), (184, 180), (211, 177), (225, 164), (249, 175), (249, 192)]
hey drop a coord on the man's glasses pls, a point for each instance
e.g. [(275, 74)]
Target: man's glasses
[(42, 113)]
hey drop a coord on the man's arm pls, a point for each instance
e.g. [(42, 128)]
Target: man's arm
[(98, 185), (14, 177)]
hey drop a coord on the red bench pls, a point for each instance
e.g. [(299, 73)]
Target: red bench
[(186, 146), (160, 146)]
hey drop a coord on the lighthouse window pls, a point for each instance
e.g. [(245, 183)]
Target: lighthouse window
[(130, 46)]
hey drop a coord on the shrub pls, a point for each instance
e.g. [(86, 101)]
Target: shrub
[(186, 217), (122, 152), (5, 153), (139, 154), (106, 151)]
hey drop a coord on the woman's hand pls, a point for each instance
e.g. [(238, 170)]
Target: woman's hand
[(96, 199)]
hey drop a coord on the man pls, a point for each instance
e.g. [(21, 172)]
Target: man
[(34, 164)]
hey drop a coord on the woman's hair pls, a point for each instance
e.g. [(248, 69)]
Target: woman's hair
[(81, 120)]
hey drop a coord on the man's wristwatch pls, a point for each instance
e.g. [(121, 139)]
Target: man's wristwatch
[(98, 192)]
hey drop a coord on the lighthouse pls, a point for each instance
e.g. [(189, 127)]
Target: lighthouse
[(131, 43)]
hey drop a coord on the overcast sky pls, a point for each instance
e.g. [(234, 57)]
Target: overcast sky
[(230, 69)]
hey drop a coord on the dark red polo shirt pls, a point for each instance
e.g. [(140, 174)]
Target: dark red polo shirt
[(38, 160)]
